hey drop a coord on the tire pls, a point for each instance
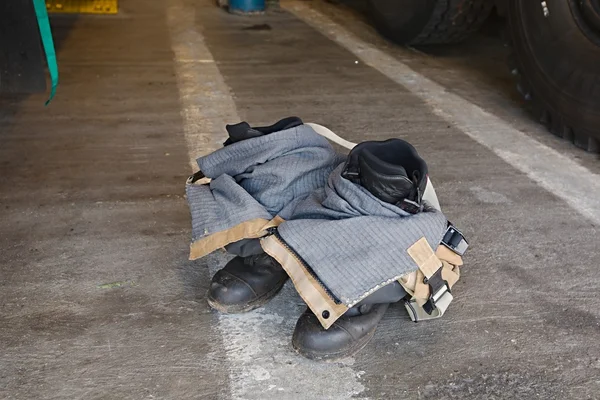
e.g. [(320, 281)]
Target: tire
[(556, 59), (428, 22)]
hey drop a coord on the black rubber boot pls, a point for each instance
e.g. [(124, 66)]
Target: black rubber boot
[(246, 283), (393, 172), (349, 334)]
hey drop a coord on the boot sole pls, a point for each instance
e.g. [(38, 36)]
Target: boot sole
[(336, 356), (244, 308)]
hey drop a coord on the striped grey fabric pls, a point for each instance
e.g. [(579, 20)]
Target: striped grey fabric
[(259, 178), (221, 206), (353, 242)]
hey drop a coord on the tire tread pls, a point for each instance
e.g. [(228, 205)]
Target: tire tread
[(551, 113), (453, 21), (552, 120)]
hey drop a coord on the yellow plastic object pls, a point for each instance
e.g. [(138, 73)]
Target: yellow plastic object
[(82, 6)]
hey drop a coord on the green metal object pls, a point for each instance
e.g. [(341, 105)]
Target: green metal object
[(48, 42)]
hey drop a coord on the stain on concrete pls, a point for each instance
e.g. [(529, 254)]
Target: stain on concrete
[(113, 285), (489, 196)]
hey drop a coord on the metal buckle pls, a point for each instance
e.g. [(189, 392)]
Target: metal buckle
[(417, 313), (411, 207), (350, 173), (438, 288), (196, 177), (455, 240)]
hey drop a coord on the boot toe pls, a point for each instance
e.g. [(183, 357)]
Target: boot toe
[(228, 290), (350, 333), (246, 283), (313, 341)]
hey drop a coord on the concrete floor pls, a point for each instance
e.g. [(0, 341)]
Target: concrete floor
[(98, 300)]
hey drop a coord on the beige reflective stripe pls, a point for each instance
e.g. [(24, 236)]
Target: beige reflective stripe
[(413, 282), (420, 291), (423, 255), (313, 294), (409, 281), (450, 273), (246, 230), (274, 222), (445, 254)]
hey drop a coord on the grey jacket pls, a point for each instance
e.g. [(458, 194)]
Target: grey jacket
[(337, 242)]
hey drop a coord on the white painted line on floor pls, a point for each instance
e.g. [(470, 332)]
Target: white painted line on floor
[(206, 103), (262, 363), (560, 175)]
